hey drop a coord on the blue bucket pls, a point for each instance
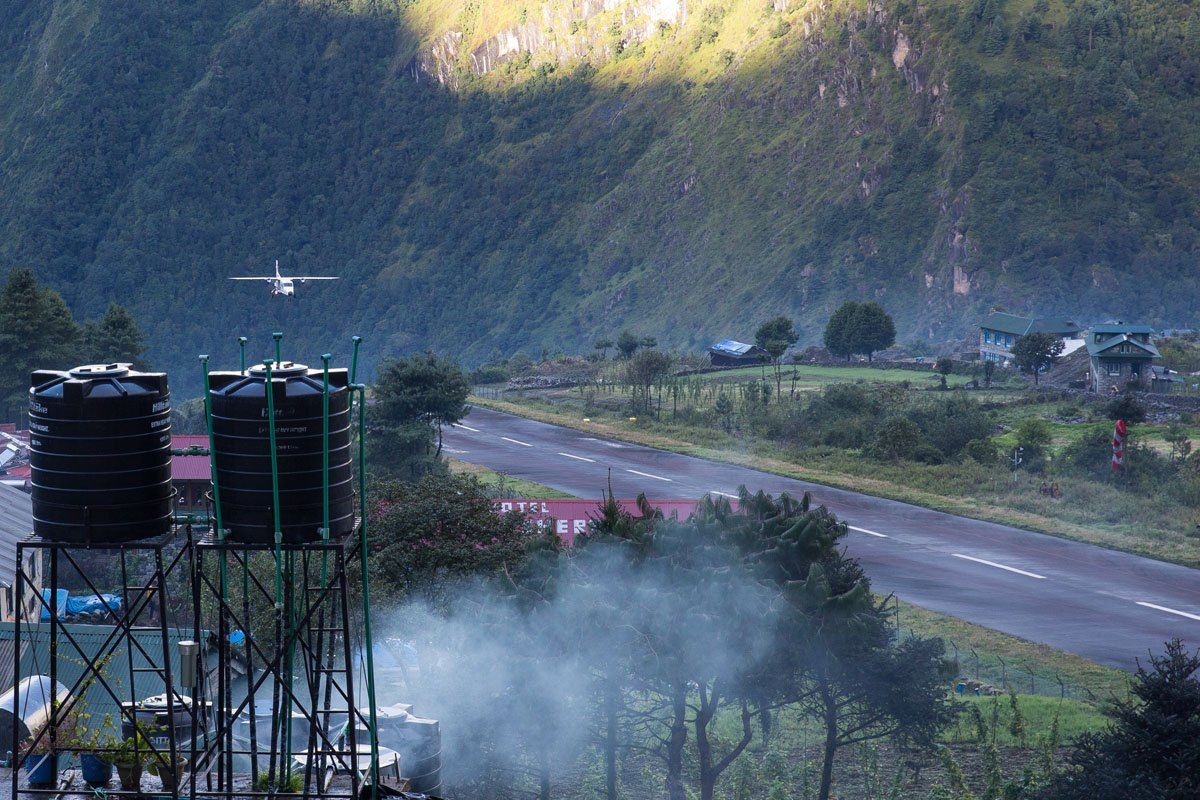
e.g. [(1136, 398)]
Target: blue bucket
[(42, 769), (96, 771)]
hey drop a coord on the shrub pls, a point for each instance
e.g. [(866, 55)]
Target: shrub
[(1126, 407), (897, 438), (983, 451)]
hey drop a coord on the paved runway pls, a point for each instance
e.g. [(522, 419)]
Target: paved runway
[(1109, 606)]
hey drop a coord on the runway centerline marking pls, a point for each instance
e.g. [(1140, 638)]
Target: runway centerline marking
[(648, 475), (516, 441), (867, 532), (1170, 610), (1000, 566), (466, 427), (578, 458)]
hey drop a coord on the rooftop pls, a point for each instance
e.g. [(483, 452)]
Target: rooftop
[(732, 348), (190, 468), (1095, 349), (1019, 326), (1121, 327)]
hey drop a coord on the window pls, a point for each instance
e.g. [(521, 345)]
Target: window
[(1114, 368), (1007, 340)]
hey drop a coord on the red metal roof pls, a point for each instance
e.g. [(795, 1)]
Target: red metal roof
[(190, 468)]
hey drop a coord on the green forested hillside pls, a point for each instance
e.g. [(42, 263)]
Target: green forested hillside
[(489, 176)]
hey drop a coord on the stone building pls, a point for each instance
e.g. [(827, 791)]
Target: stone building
[(1122, 357)]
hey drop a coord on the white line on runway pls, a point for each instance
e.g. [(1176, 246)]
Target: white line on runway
[(514, 441), (867, 532), (578, 458), (1000, 566), (648, 475), (1170, 610), (724, 494), (466, 427)]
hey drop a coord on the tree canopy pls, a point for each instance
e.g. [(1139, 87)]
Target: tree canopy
[(859, 329), (1035, 352)]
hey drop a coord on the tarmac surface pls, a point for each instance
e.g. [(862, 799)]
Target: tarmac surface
[(1106, 605)]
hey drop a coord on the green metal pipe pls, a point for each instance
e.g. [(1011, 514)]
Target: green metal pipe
[(368, 643), (325, 446), (285, 710), (357, 340), (212, 465), (242, 347)]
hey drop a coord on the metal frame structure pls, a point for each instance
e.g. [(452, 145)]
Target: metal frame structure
[(308, 659), (312, 604), (138, 600)]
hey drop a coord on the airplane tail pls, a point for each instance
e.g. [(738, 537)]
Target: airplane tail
[(277, 275)]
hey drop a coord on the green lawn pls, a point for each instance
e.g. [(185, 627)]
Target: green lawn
[(820, 375), (500, 484)]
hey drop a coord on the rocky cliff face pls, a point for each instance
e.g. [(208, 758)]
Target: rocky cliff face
[(557, 32)]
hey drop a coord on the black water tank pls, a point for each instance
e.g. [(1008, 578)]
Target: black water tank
[(100, 453), (242, 452)]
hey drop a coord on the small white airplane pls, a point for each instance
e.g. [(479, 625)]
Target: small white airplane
[(286, 286)]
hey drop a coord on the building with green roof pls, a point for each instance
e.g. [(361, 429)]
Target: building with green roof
[(1122, 357), (1000, 330)]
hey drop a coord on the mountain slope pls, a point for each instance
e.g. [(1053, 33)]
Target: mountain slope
[(494, 176)]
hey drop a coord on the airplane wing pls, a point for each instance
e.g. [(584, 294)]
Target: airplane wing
[(315, 278), (252, 279)]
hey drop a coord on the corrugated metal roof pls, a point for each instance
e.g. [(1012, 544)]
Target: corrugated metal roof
[(1095, 349), (190, 468), (1120, 327), (731, 347), (1019, 326), (35, 660), (16, 523)]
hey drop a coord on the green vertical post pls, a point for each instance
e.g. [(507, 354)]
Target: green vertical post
[(242, 348), (368, 644), (212, 451), (286, 715), (325, 447)]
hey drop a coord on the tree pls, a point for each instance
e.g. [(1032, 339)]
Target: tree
[(1152, 746), (944, 365), (776, 336), (1035, 352), (627, 344), (37, 331), (113, 338), (415, 397), (872, 330), (603, 345), (645, 370), (859, 328), (436, 528), (989, 369), (838, 338)]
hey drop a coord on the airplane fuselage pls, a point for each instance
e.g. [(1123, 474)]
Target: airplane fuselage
[(283, 286)]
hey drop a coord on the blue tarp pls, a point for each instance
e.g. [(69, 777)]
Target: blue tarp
[(69, 606)]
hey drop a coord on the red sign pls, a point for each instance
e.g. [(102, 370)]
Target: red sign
[(570, 517)]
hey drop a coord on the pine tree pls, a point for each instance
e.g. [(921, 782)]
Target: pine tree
[(37, 331), (115, 337)]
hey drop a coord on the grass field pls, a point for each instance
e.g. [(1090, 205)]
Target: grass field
[(501, 485), (814, 375)]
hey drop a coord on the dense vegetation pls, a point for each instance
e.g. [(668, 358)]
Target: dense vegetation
[(37, 331), (683, 182)]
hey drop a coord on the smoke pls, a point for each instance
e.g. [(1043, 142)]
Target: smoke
[(516, 668)]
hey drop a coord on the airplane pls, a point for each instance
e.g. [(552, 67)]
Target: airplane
[(286, 286)]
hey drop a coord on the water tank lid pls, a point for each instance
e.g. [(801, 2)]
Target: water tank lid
[(284, 369), (100, 371)]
